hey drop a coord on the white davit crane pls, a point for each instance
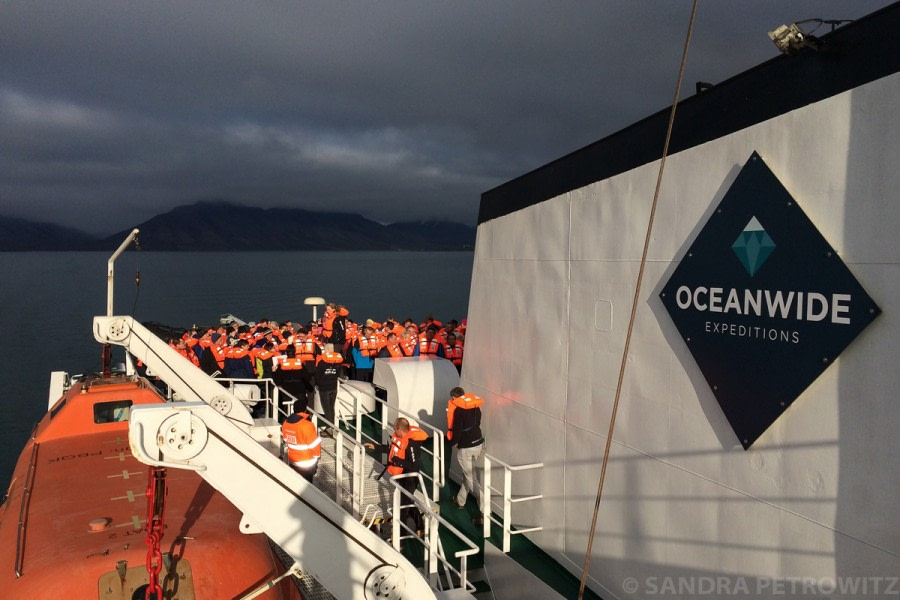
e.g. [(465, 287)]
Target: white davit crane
[(192, 384), (209, 434)]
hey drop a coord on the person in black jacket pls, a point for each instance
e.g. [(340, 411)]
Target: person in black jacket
[(208, 359), (238, 364), (464, 432), (289, 376), (328, 368)]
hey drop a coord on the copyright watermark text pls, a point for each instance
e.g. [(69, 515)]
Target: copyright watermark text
[(740, 586)]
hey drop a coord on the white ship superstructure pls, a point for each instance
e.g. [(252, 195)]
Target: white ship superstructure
[(812, 497)]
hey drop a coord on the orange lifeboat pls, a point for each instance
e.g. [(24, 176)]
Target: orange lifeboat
[(74, 521)]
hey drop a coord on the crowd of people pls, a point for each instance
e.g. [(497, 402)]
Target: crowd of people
[(304, 357), (263, 349)]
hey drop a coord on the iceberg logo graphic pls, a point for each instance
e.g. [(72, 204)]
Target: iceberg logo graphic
[(753, 246)]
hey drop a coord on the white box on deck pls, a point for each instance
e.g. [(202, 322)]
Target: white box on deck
[(419, 385)]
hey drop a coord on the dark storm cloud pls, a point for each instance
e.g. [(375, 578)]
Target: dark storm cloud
[(113, 112)]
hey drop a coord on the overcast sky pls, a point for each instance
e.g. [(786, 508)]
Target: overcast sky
[(112, 112)]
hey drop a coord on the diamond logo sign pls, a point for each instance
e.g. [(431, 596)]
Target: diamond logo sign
[(753, 246), (763, 327)]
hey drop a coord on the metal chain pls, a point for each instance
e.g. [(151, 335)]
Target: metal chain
[(156, 508)]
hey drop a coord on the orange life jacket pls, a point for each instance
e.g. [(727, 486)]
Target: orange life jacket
[(395, 350), (368, 346), (409, 346), (454, 353), (218, 354), (330, 357), (264, 354), (306, 350), (303, 442), (400, 444), (189, 355), (427, 348), (464, 402), (328, 321), (290, 364), (237, 352)]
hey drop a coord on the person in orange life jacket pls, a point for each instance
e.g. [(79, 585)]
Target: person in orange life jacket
[(451, 326), (334, 326), (409, 325), (238, 364), (302, 442), (218, 349), (405, 456), (328, 318), (289, 375), (393, 326), (454, 351), (410, 341), (208, 362), (327, 369), (392, 348), (284, 339), (204, 343), (192, 341), (464, 432), (363, 353), (182, 348), (265, 361), (431, 346), (315, 331), (307, 350), (428, 322)]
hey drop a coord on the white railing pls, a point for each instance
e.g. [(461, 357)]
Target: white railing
[(439, 571), (345, 443), (435, 560), (358, 416), (507, 499), (342, 442)]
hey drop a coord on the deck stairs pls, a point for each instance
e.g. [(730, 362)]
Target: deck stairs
[(374, 510)]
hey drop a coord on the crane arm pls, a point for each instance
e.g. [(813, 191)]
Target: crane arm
[(346, 557), (192, 384)]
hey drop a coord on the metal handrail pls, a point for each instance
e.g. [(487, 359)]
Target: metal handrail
[(358, 452), (437, 476), (507, 499), (434, 551), (434, 555), (357, 449)]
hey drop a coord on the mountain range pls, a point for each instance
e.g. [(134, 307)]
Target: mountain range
[(220, 225)]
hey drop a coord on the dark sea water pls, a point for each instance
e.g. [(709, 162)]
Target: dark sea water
[(48, 299)]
